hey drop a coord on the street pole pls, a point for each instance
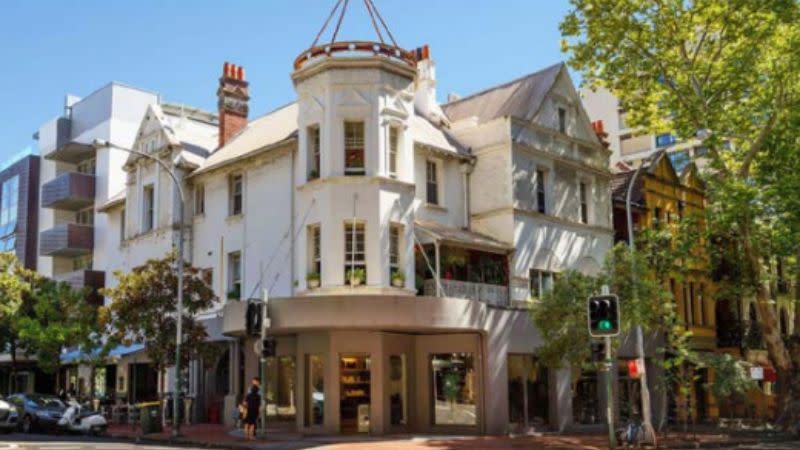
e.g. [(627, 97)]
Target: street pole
[(263, 363), (607, 367), (647, 422), (176, 424), (609, 363)]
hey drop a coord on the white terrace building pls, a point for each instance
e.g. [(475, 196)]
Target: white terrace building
[(400, 240)]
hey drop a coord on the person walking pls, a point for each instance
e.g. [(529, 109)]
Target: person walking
[(253, 400)]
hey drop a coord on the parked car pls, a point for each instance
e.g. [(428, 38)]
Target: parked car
[(38, 411), (9, 419)]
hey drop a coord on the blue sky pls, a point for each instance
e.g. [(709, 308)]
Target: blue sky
[(176, 48)]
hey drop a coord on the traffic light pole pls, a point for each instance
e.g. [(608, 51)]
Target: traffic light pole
[(607, 366)]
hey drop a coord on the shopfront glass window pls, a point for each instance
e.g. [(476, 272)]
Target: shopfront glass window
[(585, 399), (527, 391), (280, 388), (315, 390), (454, 389), (398, 390)]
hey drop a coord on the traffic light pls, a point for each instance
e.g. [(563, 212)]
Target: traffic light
[(598, 349), (253, 319), (268, 347), (603, 315)]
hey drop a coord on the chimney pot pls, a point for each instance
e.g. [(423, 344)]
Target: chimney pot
[(233, 97)]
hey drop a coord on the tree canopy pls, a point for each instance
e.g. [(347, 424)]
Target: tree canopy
[(144, 309)]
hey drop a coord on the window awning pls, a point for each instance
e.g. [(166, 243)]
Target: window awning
[(116, 352), (458, 237)]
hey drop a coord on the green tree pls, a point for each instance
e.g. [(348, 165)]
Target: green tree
[(716, 69), (731, 378), (60, 317), (144, 308), (13, 291)]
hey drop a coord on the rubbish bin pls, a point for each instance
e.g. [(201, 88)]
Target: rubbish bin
[(150, 417)]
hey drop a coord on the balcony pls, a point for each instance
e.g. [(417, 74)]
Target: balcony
[(491, 294), (67, 239), (91, 279), (71, 152), (69, 191)]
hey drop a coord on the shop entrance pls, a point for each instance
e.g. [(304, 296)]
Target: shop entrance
[(354, 375)]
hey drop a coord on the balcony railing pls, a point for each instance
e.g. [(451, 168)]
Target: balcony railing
[(67, 239), (79, 279), (489, 293), (70, 191)]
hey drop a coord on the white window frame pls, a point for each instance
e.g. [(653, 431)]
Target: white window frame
[(148, 207), (199, 199), (437, 181), (584, 201), (233, 193), (540, 187), (538, 279), (235, 270), (395, 246), (359, 258), (315, 248), (393, 144), (352, 144), (314, 136)]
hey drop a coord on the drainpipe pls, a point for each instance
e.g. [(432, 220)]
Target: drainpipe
[(466, 171), (438, 268), (291, 224)]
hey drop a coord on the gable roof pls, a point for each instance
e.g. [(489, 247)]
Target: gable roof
[(183, 129), (276, 127), (520, 98)]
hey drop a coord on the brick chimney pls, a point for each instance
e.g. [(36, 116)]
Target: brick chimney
[(425, 86), (233, 95), (600, 131)]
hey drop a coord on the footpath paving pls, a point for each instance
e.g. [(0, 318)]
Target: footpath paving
[(217, 436)]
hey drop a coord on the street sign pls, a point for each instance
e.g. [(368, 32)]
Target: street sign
[(635, 368), (603, 315)]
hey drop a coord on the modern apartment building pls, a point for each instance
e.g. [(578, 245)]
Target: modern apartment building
[(83, 152), (400, 241), (632, 145), (19, 208)]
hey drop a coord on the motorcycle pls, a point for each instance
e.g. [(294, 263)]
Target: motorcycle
[(79, 420)]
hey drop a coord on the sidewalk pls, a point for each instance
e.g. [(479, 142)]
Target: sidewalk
[(217, 436)]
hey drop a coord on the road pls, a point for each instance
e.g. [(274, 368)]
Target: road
[(50, 442), (64, 442)]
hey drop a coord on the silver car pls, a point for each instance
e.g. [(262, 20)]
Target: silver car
[(9, 418)]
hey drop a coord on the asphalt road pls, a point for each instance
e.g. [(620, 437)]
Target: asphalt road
[(51, 442), (61, 442)]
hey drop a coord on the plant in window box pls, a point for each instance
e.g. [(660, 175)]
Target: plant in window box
[(356, 276), (233, 294), (313, 174), (312, 279), (398, 279)]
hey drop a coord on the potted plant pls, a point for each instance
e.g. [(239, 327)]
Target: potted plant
[(356, 276), (313, 174), (398, 279), (233, 294), (312, 279)]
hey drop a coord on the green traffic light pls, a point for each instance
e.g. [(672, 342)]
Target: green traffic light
[(605, 325)]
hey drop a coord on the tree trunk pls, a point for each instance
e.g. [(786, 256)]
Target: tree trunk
[(776, 347), (797, 295), (12, 385)]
